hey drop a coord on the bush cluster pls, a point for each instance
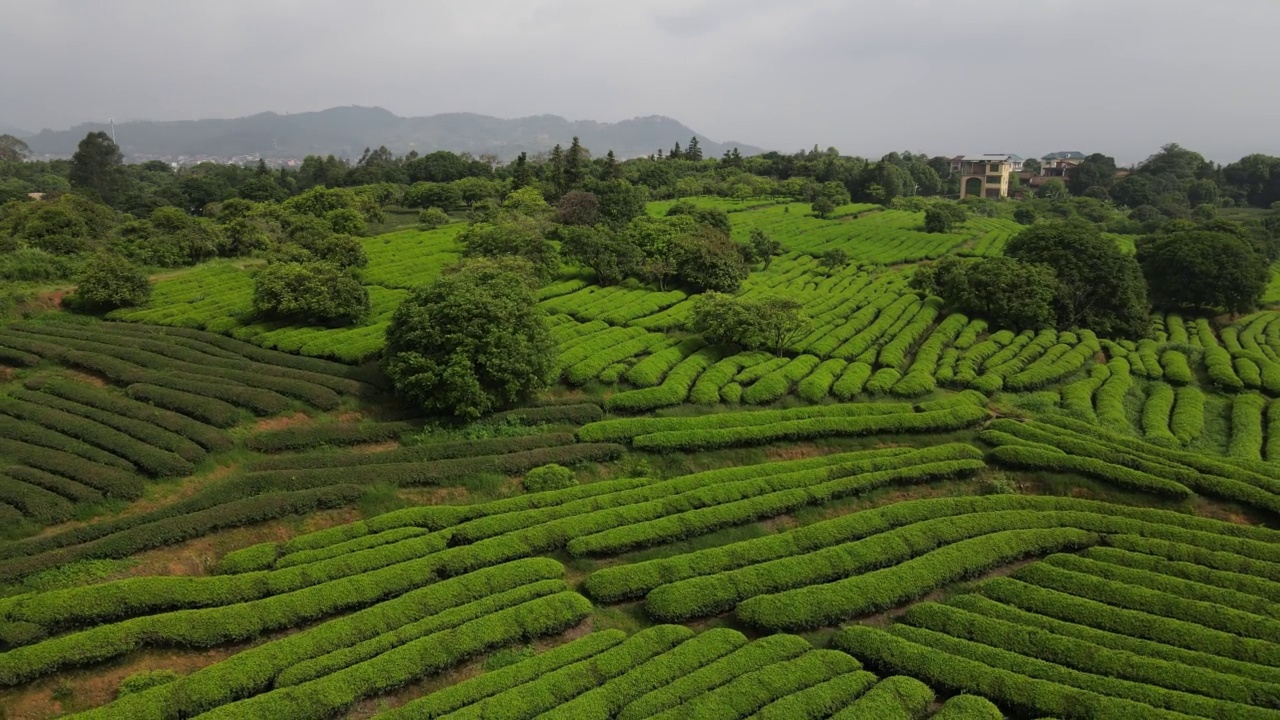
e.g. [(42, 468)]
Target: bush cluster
[(549, 477), (673, 390), (308, 435)]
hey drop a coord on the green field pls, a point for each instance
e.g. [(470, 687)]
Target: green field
[(906, 514)]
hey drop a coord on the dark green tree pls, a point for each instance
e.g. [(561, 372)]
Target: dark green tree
[(694, 151), (942, 217), (97, 168), (1099, 287), (575, 166), (609, 253), (1203, 270), (611, 170), (108, 281), (823, 207), (834, 259), (517, 236), (313, 292), (764, 246), (1005, 291), (1096, 170), (471, 342), (707, 259)]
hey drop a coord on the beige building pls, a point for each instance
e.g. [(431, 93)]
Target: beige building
[(987, 175)]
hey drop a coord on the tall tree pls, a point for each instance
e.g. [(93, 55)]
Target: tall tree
[(521, 173), (471, 342), (1097, 170), (97, 168), (12, 149), (1099, 287), (694, 152), (575, 166), (1203, 270), (611, 170)]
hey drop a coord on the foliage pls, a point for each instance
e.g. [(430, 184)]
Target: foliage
[(432, 218), (549, 477), (769, 322), (472, 342), (1006, 291), (612, 255), (941, 217), (1203, 270), (109, 281), (518, 236), (318, 292), (1098, 286), (708, 260)]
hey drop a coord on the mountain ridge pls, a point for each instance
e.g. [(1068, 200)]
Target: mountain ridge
[(347, 130)]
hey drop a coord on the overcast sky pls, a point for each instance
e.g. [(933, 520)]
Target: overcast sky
[(867, 76)]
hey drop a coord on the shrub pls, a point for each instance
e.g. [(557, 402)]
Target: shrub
[(108, 281), (572, 414), (209, 410), (895, 698), (817, 385), (145, 680), (1176, 368), (650, 371), (1188, 414), (1246, 426), (673, 390), (852, 380), (432, 218), (549, 477), (773, 386)]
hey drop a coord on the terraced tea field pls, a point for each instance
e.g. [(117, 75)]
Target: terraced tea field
[(906, 514)]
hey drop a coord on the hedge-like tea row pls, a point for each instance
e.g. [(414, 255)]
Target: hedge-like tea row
[(926, 359), (746, 694), (301, 437), (404, 664), (1155, 416), (1149, 359), (778, 383), (1110, 398), (1179, 703), (972, 360), (673, 390), (469, 692), (110, 481), (1217, 360), (1052, 367), (1249, 594), (1210, 475), (576, 506), (1177, 369), (132, 597), (434, 472), (1034, 458), (212, 411), (17, 358), (121, 538), (706, 391), (957, 417), (954, 672), (1077, 397), (815, 606), (895, 698), (210, 626), (569, 414), (33, 434), (636, 579), (869, 338), (1223, 694), (883, 381), (257, 400), (42, 506), (819, 701), (968, 707), (205, 355), (626, 429), (606, 351), (212, 342), (1154, 602), (817, 386), (1139, 623), (425, 452), (852, 380), (650, 371), (749, 508), (148, 458), (159, 357), (70, 489), (1117, 641), (604, 700), (1187, 421), (415, 628), (894, 353), (582, 686), (138, 420), (1246, 426), (746, 659)]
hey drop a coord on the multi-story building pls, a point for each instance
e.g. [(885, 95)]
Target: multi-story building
[(986, 175)]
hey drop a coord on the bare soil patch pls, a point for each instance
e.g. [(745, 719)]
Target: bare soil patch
[(280, 423)]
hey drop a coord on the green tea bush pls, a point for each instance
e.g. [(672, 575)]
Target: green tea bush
[(302, 437), (145, 680), (1156, 413), (773, 386), (1246, 426), (895, 698), (1176, 368), (817, 385), (549, 477), (673, 390), (852, 381)]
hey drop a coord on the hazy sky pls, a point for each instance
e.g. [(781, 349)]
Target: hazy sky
[(867, 76)]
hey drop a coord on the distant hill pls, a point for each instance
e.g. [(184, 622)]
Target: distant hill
[(7, 129), (347, 131)]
